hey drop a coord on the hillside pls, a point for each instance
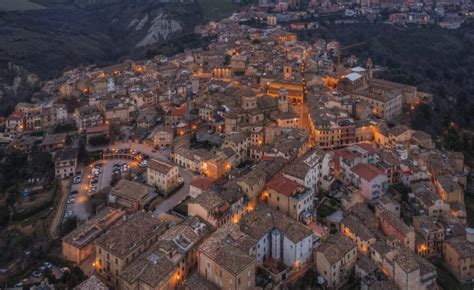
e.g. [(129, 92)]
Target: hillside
[(45, 37)]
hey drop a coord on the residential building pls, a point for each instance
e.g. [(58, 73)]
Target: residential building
[(169, 261), (356, 230), (65, 162), (395, 228), (163, 175), (124, 242), (335, 259), (289, 197), (78, 245), (458, 254), (371, 181), (163, 137), (279, 238), (130, 195), (225, 259), (218, 207), (430, 235)]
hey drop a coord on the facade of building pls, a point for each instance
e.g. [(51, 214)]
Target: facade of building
[(65, 162), (335, 259), (78, 245), (163, 175), (129, 195)]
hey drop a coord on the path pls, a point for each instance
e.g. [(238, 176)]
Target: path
[(60, 206)]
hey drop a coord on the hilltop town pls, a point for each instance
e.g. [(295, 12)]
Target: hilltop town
[(258, 162)]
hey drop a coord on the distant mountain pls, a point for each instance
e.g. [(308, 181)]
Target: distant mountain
[(68, 33), (44, 37)]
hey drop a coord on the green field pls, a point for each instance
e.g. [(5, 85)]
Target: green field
[(16, 5), (216, 9)]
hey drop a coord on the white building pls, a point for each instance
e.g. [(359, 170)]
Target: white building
[(278, 236), (65, 162), (311, 170)]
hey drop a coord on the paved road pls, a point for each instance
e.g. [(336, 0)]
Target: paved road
[(63, 192), (187, 176), (79, 208)]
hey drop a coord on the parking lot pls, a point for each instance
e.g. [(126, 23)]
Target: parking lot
[(94, 178), (97, 176), (38, 275)]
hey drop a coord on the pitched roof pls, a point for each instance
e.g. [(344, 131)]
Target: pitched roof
[(367, 171), (203, 183), (336, 247), (283, 185)]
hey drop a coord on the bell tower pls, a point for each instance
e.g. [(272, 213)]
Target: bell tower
[(287, 71), (283, 100), (369, 67)]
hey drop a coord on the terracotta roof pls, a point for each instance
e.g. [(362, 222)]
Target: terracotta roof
[(178, 111), (367, 171), (203, 183), (367, 146), (283, 185), (346, 154)]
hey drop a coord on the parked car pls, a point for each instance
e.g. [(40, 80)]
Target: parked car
[(48, 265), (76, 180), (36, 274), (64, 269)]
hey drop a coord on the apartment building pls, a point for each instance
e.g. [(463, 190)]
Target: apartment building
[(279, 237), (163, 175), (458, 253), (124, 242), (289, 197), (430, 235), (163, 137), (78, 245), (65, 162), (170, 260), (311, 170), (335, 259), (395, 228), (225, 259), (356, 230), (239, 142), (218, 207), (88, 117)]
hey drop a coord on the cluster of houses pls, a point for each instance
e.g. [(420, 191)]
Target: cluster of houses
[(298, 166)]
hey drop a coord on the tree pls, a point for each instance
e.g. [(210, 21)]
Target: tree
[(73, 277), (100, 140), (68, 226)]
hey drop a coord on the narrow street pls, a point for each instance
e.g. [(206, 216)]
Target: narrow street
[(60, 206)]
